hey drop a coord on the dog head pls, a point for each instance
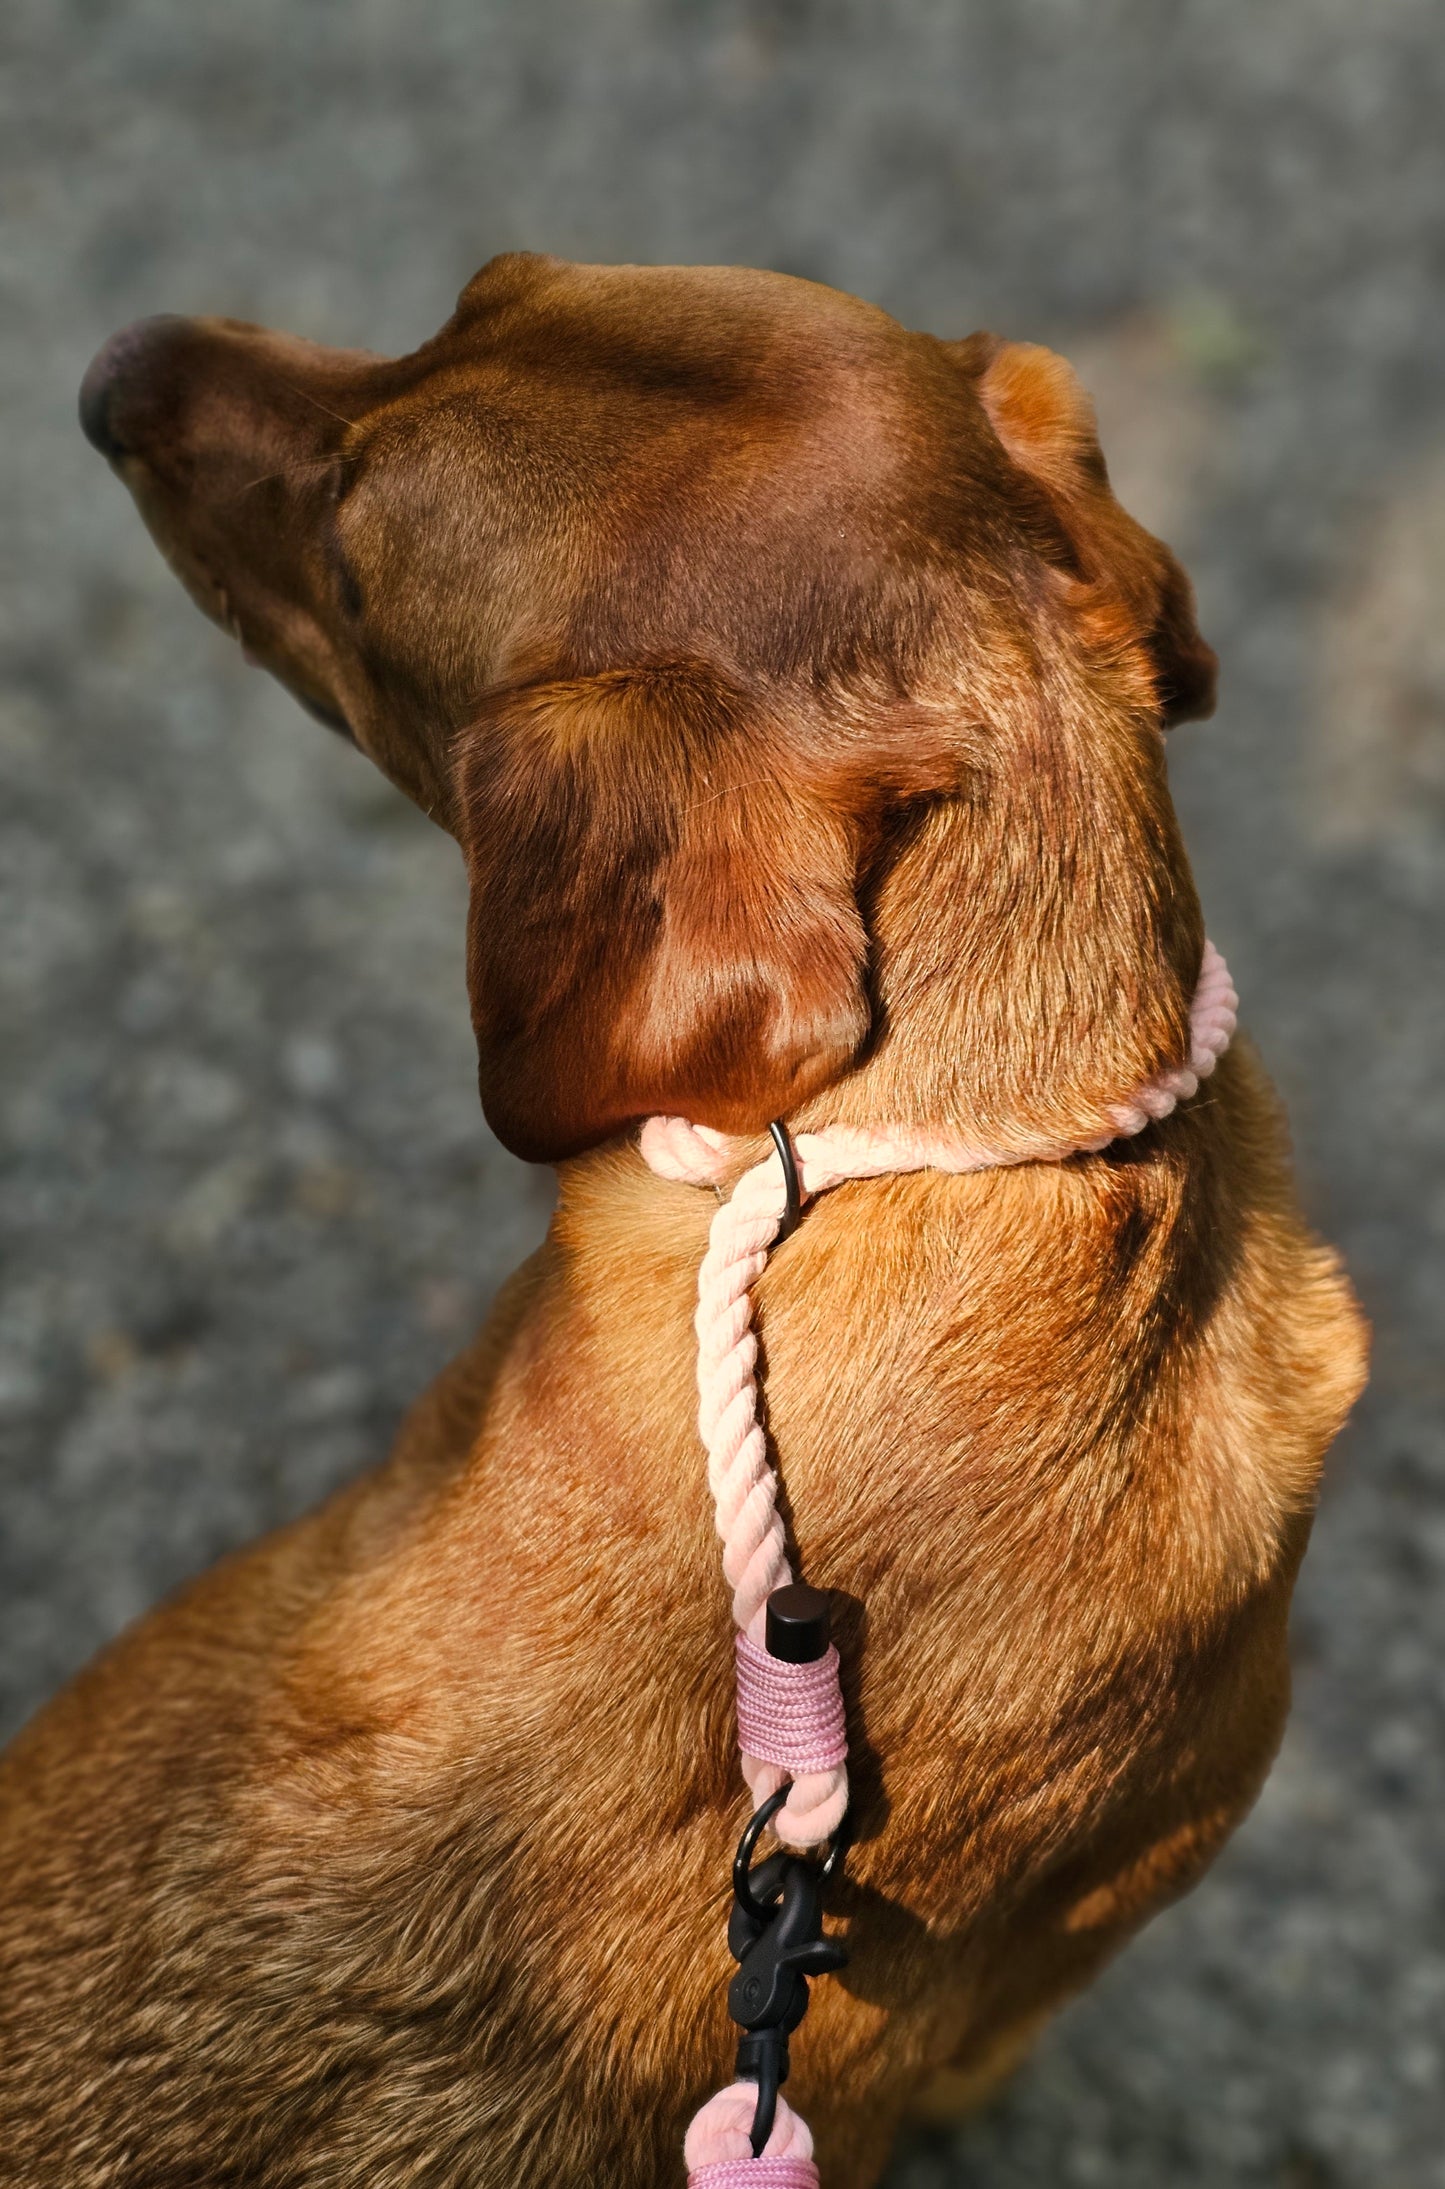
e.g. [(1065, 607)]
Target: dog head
[(676, 595)]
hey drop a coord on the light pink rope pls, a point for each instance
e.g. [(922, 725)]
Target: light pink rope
[(719, 2152), (780, 1715)]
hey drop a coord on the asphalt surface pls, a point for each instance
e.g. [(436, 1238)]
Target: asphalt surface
[(248, 1202)]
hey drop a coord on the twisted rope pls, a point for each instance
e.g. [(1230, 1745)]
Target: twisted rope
[(718, 2150)]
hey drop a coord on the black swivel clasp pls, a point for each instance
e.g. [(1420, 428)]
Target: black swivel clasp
[(775, 1934), (777, 1956)]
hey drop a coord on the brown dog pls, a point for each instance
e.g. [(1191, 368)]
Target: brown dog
[(794, 688)]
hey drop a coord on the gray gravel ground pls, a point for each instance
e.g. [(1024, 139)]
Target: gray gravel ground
[(249, 1204)]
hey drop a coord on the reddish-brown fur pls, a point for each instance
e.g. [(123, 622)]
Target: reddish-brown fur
[(793, 685)]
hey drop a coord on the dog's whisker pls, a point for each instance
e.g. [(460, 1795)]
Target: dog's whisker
[(289, 472), (317, 404)]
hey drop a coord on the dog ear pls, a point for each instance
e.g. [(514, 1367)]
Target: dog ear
[(663, 910), (1045, 421)]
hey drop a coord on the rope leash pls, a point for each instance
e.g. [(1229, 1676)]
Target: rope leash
[(791, 1725)]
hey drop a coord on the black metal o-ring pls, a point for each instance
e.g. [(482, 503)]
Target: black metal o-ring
[(753, 1831), (792, 1185), (743, 1859), (838, 1853)]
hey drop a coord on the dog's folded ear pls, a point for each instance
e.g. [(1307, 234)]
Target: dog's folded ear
[(1045, 422), (663, 909)]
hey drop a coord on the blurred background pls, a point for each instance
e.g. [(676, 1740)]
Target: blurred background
[(248, 1201)]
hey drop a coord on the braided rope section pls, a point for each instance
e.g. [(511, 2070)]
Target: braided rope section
[(788, 1714), (753, 2173)]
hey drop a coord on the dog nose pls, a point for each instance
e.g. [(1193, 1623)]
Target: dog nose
[(112, 374)]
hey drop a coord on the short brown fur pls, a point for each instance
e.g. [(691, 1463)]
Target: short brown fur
[(794, 687)]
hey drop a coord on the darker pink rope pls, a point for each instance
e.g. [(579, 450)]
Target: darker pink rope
[(790, 1715), (753, 2173)]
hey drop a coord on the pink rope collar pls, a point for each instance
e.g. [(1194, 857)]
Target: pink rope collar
[(790, 1717)]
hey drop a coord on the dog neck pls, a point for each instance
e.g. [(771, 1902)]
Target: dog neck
[(1036, 940), (677, 1149)]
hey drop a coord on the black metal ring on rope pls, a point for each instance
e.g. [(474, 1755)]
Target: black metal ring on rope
[(792, 1185), (842, 1840)]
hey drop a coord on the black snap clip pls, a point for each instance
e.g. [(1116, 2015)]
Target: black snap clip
[(775, 1934)]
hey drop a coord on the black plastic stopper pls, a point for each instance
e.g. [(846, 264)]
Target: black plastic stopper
[(797, 1629)]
